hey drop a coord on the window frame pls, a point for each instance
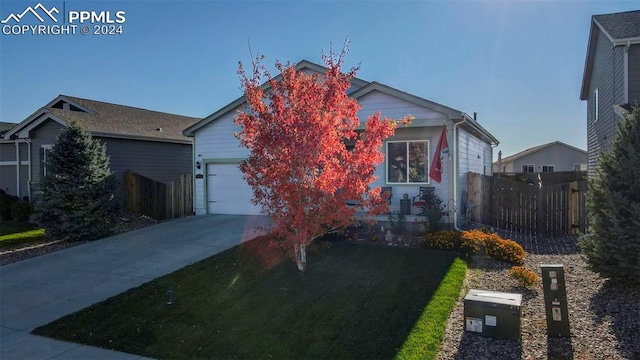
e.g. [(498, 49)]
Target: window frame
[(407, 142), (45, 149), (553, 166), (596, 114), (532, 166)]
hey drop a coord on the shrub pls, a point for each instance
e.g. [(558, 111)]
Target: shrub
[(6, 203), (21, 210), (398, 222), (442, 240), (76, 198), (504, 250), (494, 246), (471, 241), (433, 211), (524, 276), (612, 247)]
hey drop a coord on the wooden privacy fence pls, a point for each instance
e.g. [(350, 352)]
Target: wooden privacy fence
[(525, 207), (158, 200)]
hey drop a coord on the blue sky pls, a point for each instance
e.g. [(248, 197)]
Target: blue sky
[(519, 64)]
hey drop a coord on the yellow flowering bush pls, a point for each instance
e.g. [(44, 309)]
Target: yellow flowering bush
[(524, 276), (504, 250), (470, 242), (442, 240)]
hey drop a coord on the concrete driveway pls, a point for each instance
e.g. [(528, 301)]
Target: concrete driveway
[(37, 291)]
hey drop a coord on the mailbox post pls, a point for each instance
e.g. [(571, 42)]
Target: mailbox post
[(555, 300)]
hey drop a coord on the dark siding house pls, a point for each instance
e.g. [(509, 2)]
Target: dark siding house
[(147, 142), (611, 80)]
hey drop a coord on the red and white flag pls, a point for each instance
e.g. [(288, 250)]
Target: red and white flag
[(436, 165)]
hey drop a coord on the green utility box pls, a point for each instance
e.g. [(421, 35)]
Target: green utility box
[(492, 313), (555, 300)]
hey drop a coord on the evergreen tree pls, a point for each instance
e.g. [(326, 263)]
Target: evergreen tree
[(76, 199), (613, 246)]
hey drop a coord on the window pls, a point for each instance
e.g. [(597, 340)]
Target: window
[(595, 105), (43, 159), (548, 168), (408, 162), (577, 167), (527, 168)]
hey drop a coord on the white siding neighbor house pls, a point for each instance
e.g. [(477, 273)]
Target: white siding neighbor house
[(551, 157), (219, 186)]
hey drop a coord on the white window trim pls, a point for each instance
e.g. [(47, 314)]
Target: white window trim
[(579, 165), (595, 105), (533, 166), (548, 165), (386, 163), (44, 158)]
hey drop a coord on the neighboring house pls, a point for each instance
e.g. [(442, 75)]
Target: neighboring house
[(220, 188), (552, 157), (611, 80), (10, 171), (148, 142)]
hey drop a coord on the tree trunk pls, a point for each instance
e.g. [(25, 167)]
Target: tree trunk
[(301, 256)]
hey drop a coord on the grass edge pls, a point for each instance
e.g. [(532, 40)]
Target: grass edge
[(423, 342)]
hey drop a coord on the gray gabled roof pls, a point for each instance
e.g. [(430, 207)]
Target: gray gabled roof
[(622, 25), (535, 149), (365, 87), (113, 120), (620, 28), (5, 126)]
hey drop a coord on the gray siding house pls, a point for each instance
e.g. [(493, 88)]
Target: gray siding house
[(552, 157), (219, 186), (148, 142), (611, 80)]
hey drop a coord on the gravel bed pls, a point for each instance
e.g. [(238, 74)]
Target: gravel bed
[(604, 316), (126, 222)]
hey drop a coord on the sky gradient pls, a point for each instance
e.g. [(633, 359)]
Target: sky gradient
[(519, 64)]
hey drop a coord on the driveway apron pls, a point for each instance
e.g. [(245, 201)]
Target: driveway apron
[(37, 291)]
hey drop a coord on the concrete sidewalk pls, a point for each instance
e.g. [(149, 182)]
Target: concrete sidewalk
[(37, 291)]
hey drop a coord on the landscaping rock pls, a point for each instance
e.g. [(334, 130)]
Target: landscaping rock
[(604, 316)]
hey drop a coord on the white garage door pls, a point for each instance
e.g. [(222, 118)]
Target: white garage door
[(228, 192)]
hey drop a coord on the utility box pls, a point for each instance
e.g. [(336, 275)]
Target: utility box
[(555, 300), (492, 313)]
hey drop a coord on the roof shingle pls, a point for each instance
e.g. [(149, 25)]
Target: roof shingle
[(621, 25), (125, 121)]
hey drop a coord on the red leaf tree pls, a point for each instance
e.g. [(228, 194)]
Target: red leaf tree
[(307, 157)]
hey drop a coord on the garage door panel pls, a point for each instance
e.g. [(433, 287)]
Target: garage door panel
[(228, 192)]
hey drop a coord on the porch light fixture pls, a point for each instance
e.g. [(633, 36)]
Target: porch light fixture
[(478, 156), (198, 165)]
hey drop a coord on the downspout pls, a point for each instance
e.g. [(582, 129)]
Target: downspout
[(17, 144), (625, 73), (493, 146), (193, 178), (455, 172), (28, 141)]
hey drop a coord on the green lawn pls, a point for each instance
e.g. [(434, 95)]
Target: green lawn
[(354, 301), (15, 232)]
